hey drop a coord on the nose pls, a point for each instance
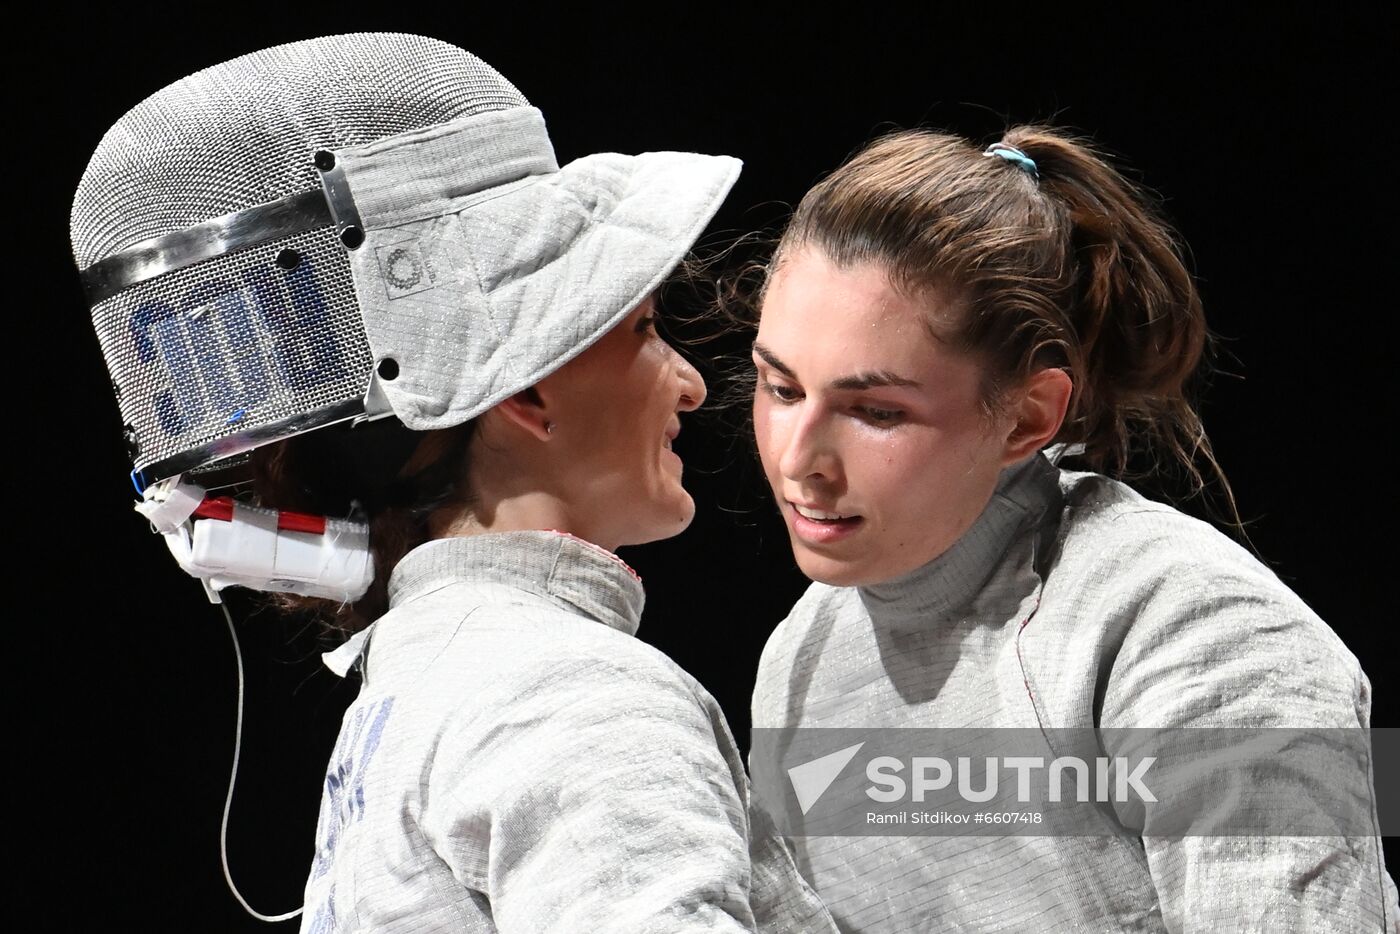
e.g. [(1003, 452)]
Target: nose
[(692, 384), (806, 453)]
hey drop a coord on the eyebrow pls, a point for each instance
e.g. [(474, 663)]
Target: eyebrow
[(857, 382)]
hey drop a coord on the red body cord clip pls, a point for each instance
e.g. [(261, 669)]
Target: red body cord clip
[(221, 507)]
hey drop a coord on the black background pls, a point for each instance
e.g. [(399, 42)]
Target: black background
[(1268, 137)]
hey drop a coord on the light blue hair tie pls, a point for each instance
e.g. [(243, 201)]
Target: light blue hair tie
[(1015, 157)]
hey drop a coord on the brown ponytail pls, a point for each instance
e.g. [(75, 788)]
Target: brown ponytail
[(1073, 269), (394, 477)]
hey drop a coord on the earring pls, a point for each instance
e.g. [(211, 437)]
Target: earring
[(549, 428)]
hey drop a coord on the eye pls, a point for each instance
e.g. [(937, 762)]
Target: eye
[(784, 394), (880, 417), (646, 323)]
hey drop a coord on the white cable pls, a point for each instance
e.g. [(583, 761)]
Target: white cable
[(233, 776)]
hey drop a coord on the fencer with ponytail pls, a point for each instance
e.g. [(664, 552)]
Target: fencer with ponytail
[(937, 317)]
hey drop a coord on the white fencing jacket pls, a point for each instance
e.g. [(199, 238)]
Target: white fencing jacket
[(1074, 602), (518, 761)]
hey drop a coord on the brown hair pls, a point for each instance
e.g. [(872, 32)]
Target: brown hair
[(1071, 269), (393, 477)]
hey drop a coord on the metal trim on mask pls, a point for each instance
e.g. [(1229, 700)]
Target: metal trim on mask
[(248, 440), (213, 238), (341, 203)]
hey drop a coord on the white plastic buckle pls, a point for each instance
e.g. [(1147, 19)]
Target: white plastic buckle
[(250, 550)]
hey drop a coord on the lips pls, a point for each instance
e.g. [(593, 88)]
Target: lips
[(817, 526)]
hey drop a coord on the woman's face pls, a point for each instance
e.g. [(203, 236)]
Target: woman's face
[(871, 432), (616, 409)]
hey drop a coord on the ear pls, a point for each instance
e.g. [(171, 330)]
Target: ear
[(526, 410), (1039, 412)]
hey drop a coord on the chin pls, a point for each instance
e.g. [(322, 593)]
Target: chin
[(667, 521), (831, 571), (684, 515)]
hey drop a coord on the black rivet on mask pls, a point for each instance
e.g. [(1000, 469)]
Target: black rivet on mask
[(325, 161), (288, 259), (133, 447), (352, 237), (388, 369)]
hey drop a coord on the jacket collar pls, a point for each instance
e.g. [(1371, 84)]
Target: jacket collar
[(577, 575), (948, 584)]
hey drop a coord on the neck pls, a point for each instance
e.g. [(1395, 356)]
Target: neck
[(519, 488), (519, 512), (951, 585)]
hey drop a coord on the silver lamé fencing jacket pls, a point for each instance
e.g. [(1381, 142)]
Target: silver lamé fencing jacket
[(517, 760), (1073, 603)]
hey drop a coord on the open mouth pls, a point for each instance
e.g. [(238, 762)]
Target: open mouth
[(817, 515), (821, 526)]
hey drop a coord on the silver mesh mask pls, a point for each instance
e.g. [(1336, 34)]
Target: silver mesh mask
[(224, 334)]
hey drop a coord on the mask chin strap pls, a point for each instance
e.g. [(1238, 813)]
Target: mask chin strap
[(225, 543)]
